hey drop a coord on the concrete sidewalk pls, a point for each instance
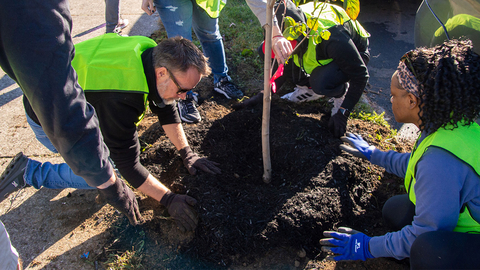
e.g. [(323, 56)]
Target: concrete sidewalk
[(88, 22)]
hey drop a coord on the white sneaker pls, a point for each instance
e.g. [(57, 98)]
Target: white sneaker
[(337, 102), (301, 94), (122, 23)]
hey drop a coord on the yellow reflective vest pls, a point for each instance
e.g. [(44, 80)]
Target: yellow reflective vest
[(328, 16), (462, 142), (112, 63), (212, 7)]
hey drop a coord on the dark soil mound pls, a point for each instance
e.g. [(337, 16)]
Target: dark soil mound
[(314, 187)]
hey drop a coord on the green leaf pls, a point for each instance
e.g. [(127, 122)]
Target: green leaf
[(293, 32), (312, 23), (352, 7), (319, 36), (290, 33), (297, 2), (289, 22), (247, 52), (325, 34), (316, 38)]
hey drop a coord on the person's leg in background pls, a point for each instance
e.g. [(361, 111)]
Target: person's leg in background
[(48, 175), (23, 171), (176, 17), (208, 32), (114, 24)]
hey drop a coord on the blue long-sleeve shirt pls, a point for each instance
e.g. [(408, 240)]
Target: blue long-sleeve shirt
[(443, 185)]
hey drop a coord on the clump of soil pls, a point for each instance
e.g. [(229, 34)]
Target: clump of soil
[(244, 222)]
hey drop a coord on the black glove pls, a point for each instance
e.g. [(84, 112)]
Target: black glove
[(249, 102), (193, 162), (123, 199), (180, 207), (338, 124)]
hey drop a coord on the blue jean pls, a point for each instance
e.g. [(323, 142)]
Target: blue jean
[(48, 175), (178, 17)]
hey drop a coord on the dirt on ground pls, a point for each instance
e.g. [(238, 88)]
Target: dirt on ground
[(246, 223)]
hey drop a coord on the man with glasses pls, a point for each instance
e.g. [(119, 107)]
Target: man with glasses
[(120, 76)]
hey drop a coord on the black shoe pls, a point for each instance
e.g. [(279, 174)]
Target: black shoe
[(188, 110), (12, 178), (228, 89)]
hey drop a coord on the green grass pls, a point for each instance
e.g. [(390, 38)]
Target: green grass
[(242, 35)]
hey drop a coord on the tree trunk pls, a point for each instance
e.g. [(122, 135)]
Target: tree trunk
[(267, 95)]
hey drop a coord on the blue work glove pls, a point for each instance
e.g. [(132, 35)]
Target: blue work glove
[(362, 148), (349, 243)]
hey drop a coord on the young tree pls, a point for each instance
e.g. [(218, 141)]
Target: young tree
[(311, 30)]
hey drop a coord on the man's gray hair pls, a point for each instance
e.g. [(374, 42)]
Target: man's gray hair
[(179, 54)]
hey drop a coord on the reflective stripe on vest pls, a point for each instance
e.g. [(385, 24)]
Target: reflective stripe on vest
[(462, 142), (212, 7), (112, 63), (330, 15)]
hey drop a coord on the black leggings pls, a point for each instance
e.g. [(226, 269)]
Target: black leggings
[(437, 249)]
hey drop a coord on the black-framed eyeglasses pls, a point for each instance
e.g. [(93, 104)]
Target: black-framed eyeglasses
[(180, 89), (406, 59)]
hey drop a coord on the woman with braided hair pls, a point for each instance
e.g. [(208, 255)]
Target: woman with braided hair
[(437, 222)]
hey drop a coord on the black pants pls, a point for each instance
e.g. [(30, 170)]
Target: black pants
[(437, 249)]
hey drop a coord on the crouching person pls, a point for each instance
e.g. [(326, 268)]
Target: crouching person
[(438, 220), (120, 76)]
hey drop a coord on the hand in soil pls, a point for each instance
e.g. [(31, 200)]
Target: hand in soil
[(349, 243), (360, 147), (193, 162), (180, 207), (120, 196), (249, 102), (338, 124)]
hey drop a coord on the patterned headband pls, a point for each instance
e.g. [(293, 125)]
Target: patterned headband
[(406, 79)]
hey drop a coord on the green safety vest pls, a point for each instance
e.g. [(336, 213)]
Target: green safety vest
[(212, 7), (458, 26), (330, 16), (463, 142), (112, 63)]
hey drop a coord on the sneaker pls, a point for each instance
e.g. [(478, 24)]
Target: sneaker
[(122, 23), (301, 94), (188, 110), (228, 89), (12, 178), (337, 102)]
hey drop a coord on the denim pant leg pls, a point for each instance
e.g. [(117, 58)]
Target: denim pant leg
[(50, 175), (176, 16), (112, 14), (207, 31)]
